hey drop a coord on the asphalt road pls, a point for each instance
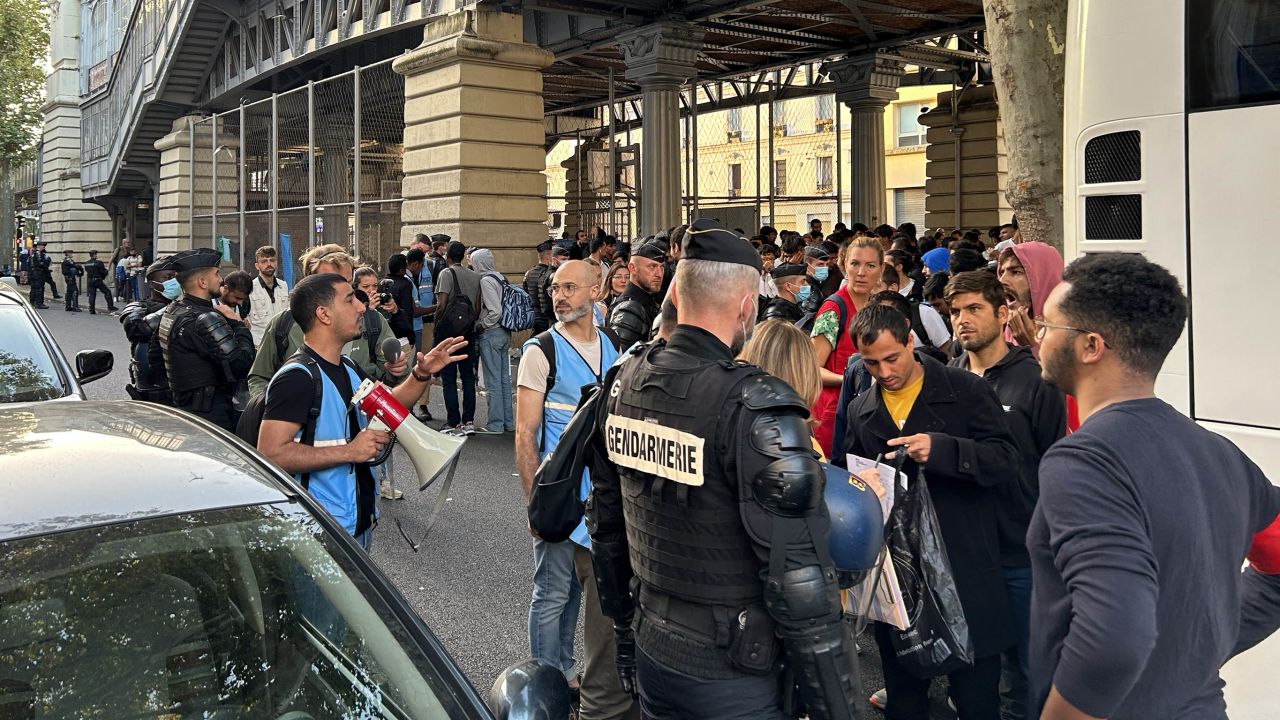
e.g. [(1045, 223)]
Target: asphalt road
[(472, 577)]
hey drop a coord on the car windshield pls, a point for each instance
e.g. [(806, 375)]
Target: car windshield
[(27, 372), (249, 612)]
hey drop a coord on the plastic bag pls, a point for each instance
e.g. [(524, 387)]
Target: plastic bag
[(936, 642)]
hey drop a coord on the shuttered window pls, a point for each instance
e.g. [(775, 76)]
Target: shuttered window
[(908, 206)]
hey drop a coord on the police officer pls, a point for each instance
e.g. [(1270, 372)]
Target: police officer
[(96, 273), (141, 321), (631, 316), (41, 264), (71, 272), (207, 348), (793, 292), (716, 507)]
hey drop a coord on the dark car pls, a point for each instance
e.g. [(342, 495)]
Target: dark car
[(32, 368), (151, 565)]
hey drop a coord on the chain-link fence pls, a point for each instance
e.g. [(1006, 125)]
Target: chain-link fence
[(318, 164)]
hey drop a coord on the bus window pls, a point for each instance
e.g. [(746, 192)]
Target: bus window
[(1233, 53)]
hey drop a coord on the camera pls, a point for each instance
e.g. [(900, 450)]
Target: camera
[(385, 288)]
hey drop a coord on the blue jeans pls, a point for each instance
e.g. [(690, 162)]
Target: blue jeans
[(553, 612), (1014, 689), (448, 385), (496, 364)]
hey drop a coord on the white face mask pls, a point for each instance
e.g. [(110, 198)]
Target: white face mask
[(747, 327)]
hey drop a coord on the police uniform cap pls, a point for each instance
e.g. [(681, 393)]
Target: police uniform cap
[(543, 246), (440, 237), (159, 265), (93, 252), (707, 240), (787, 270), (655, 250), (67, 252), (817, 252), (196, 259), (41, 243)]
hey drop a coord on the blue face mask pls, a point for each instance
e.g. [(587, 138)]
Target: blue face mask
[(171, 289), (804, 292), (820, 274)]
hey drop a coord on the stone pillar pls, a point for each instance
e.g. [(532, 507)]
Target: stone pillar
[(175, 228), (967, 171), (661, 58), (867, 85), (66, 221), (473, 136)]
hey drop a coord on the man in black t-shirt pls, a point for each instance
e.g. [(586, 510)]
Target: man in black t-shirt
[(405, 293), (331, 468)]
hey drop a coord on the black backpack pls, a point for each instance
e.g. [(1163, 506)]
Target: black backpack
[(459, 315)]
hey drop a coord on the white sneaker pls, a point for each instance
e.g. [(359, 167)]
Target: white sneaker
[(387, 491), (879, 700), (468, 428)]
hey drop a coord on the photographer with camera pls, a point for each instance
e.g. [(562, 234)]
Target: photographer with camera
[(402, 290), (369, 290)]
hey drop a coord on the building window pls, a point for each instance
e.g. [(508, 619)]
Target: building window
[(779, 177), (825, 176), (824, 113), (733, 124), (910, 132), (908, 206), (735, 180), (781, 125)]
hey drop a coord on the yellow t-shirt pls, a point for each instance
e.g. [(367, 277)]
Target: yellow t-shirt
[(900, 402)]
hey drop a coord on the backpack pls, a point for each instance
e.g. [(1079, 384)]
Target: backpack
[(517, 306), (555, 506), (926, 343), (251, 418), (459, 315), (372, 331)]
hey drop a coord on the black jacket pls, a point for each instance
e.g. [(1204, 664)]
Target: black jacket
[(780, 308), (631, 316), (972, 453), (1037, 417)]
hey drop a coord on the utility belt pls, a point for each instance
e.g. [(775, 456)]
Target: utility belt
[(200, 400), (746, 635), (156, 395)]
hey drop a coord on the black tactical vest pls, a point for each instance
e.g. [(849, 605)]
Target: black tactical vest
[(684, 528), (187, 370)]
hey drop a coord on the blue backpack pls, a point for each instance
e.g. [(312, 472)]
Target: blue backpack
[(517, 307)]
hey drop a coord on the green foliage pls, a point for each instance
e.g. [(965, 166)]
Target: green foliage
[(24, 45)]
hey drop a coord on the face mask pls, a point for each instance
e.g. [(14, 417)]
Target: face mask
[(747, 326), (803, 293), (820, 274), (171, 289)]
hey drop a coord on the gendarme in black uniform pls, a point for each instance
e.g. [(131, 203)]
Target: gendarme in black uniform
[(96, 273), (204, 354), (38, 273), (717, 509), (780, 308), (141, 321), (631, 316)]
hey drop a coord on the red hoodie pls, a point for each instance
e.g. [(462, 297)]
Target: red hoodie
[(1043, 266)]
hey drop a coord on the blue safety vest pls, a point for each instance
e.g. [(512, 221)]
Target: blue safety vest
[(571, 374), (426, 296), (333, 487)]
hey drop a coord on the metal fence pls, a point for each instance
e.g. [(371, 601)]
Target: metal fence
[(781, 160), (319, 164)]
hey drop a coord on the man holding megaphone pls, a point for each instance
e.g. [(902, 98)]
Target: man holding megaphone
[(326, 450)]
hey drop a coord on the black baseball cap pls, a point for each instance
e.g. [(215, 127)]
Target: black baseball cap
[(817, 252), (651, 249), (787, 270)]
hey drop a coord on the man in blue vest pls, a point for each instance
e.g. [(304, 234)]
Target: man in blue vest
[(547, 393), (333, 468)]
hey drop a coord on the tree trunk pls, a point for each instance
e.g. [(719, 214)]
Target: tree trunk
[(1026, 39), (7, 229)]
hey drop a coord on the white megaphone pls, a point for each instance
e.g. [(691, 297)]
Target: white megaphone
[(432, 452)]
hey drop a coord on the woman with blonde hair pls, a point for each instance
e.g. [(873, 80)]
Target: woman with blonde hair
[(785, 352)]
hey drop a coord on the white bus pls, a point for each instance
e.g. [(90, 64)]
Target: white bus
[(1172, 149)]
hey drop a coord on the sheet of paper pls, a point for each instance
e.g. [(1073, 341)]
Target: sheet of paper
[(857, 464)]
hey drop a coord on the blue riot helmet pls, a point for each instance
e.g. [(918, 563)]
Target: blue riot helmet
[(857, 524), (530, 690)]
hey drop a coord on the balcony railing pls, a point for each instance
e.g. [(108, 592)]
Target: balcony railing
[(108, 118)]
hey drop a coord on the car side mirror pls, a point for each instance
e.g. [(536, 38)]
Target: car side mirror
[(530, 690), (93, 365)]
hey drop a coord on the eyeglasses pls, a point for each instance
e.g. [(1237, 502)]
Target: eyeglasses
[(1043, 328), (567, 290)]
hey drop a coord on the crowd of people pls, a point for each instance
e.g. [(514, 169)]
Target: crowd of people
[(1020, 391), (1095, 565)]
